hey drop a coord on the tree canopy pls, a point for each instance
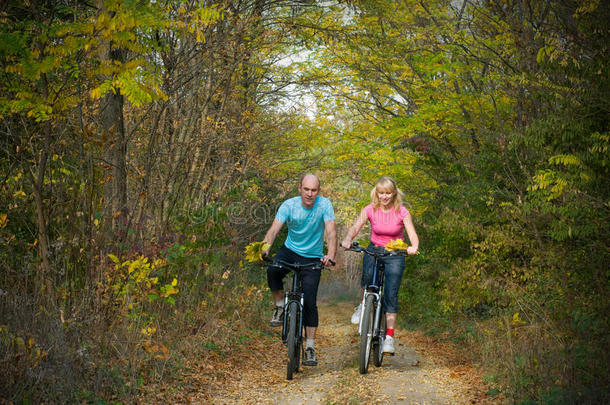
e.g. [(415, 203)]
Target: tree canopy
[(146, 143)]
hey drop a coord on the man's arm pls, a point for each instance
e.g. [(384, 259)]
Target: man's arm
[(274, 229), (331, 235)]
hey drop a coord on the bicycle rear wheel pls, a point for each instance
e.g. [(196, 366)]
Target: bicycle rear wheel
[(378, 340), (368, 312), (292, 340)]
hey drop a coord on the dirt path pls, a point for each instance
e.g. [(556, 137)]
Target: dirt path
[(410, 377)]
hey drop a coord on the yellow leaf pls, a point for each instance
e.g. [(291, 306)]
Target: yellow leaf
[(397, 244), (174, 282), (19, 341), (159, 262), (132, 266), (254, 251), (19, 194), (113, 258)]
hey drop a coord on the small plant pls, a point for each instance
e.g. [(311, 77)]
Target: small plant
[(134, 282)]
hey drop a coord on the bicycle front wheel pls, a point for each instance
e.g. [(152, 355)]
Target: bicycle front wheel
[(378, 342), (292, 340), (368, 312)]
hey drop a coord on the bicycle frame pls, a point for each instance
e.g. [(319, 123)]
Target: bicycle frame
[(375, 288), (292, 334), (373, 337), (295, 295)]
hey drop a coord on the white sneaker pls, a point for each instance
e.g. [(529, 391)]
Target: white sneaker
[(388, 345), (310, 357), (356, 314)]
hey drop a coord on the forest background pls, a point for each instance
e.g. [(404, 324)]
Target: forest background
[(145, 143)]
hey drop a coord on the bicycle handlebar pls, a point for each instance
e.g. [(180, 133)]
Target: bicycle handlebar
[(357, 248), (295, 266)]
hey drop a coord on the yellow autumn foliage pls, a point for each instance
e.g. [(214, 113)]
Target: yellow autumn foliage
[(254, 251), (396, 244)]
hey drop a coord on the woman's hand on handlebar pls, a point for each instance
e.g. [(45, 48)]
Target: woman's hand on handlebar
[(346, 243), (412, 250)]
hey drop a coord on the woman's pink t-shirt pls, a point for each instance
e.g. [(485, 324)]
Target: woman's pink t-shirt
[(385, 226)]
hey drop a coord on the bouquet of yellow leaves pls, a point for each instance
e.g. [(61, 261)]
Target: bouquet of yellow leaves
[(254, 251), (396, 244)]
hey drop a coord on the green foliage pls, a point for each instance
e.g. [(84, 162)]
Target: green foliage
[(492, 118), (190, 148)]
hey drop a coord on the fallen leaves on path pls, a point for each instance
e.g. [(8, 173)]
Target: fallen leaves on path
[(424, 371)]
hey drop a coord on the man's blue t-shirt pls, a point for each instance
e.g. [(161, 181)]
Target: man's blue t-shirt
[(305, 226)]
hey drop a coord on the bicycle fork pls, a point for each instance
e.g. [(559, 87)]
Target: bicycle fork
[(297, 299), (377, 317)]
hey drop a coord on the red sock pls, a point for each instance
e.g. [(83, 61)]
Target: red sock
[(389, 332)]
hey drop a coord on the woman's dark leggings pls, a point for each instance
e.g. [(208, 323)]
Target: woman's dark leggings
[(310, 278)]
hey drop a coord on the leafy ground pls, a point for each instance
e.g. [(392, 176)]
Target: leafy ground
[(422, 372)]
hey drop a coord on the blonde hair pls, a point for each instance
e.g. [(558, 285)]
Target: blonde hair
[(387, 183)]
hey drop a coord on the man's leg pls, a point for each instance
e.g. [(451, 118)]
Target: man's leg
[(278, 297), (310, 332), (311, 281), (275, 280)]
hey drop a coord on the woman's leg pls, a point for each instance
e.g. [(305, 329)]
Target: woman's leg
[(390, 320), (394, 267)]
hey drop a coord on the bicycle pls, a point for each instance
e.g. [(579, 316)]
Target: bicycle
[(292, 326), (372, 324)]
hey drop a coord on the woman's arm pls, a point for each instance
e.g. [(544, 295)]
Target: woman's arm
[(408, 221), (353, 231)]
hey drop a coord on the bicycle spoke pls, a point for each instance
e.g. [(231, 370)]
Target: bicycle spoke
[(367, 333)]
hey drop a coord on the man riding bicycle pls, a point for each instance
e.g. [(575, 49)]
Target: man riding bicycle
[(308, 217)]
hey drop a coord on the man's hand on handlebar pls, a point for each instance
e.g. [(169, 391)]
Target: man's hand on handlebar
[(327, 261), (265, 256)]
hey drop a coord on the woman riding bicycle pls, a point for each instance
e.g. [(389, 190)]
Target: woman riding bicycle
[(388, 218)]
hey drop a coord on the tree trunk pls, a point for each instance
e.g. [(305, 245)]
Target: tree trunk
[(44, 283), (115, 142), (115, 152)]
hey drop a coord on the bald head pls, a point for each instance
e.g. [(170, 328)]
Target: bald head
[(309, 189), (309, 177)]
